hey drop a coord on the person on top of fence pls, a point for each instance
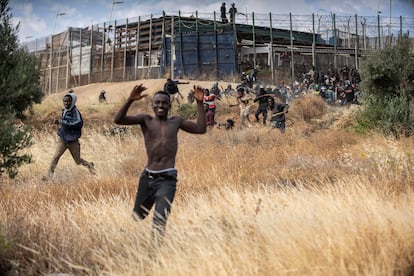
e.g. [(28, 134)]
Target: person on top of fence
[(223, 12), (232, 12), (157, 182), (171, 87)]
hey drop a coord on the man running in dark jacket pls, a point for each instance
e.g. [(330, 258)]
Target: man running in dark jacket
[(262, 98), (70, 131), (277, 114)]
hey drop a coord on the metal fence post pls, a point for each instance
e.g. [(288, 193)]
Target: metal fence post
[(292, 65), (215, 46), (313, 42), (80, 56), (90, 56), (334, 36), (272, 60), (137, 35), (149, 50), (125, 49), (172, 47), (356, 42), (103, 51), (254, 43), (68, 57), (113, 53), (379, 31)]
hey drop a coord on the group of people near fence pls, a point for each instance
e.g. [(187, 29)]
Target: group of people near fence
[(270, 107), (335, 86)]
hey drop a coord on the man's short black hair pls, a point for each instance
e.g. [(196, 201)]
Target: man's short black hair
[(162, 93)]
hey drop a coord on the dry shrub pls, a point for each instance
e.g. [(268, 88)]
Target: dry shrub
[(347, 116), (310, 107)]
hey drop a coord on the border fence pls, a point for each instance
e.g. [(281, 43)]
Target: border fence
[(200, 46)]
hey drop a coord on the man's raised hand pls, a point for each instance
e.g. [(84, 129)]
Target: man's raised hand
[(136, 93), (198, 93)]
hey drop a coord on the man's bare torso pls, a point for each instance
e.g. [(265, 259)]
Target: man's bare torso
[(161, 141)]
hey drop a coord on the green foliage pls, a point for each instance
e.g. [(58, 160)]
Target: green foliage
[(188, 111), (389, 71), (388, 90), (13, 139), (19, 90), (19, 80)]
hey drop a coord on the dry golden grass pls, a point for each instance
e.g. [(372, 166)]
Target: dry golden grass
[(318, 200)]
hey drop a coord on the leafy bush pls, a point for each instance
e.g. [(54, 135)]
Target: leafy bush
[(13, 139), (20, 89), (390, 114), (388, 90)]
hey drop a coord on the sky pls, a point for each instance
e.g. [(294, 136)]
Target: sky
[(41, 18)]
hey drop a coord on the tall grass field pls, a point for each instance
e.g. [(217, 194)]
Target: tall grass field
[(316, 200)]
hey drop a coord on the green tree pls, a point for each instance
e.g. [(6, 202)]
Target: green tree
[(388, 89), (19, 90)]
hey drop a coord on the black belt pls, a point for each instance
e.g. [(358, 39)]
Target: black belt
[(160, 174)]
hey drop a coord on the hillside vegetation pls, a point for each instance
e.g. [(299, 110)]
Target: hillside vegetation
[(317, 200)]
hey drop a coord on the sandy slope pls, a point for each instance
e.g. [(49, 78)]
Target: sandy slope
[(117, 91), (98, 115)]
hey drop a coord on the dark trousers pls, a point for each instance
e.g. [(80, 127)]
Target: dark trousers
[(280, 124), (158, 189), (74, 149), (263, 111)]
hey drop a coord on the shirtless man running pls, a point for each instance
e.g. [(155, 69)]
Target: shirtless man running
[(157, 182)]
